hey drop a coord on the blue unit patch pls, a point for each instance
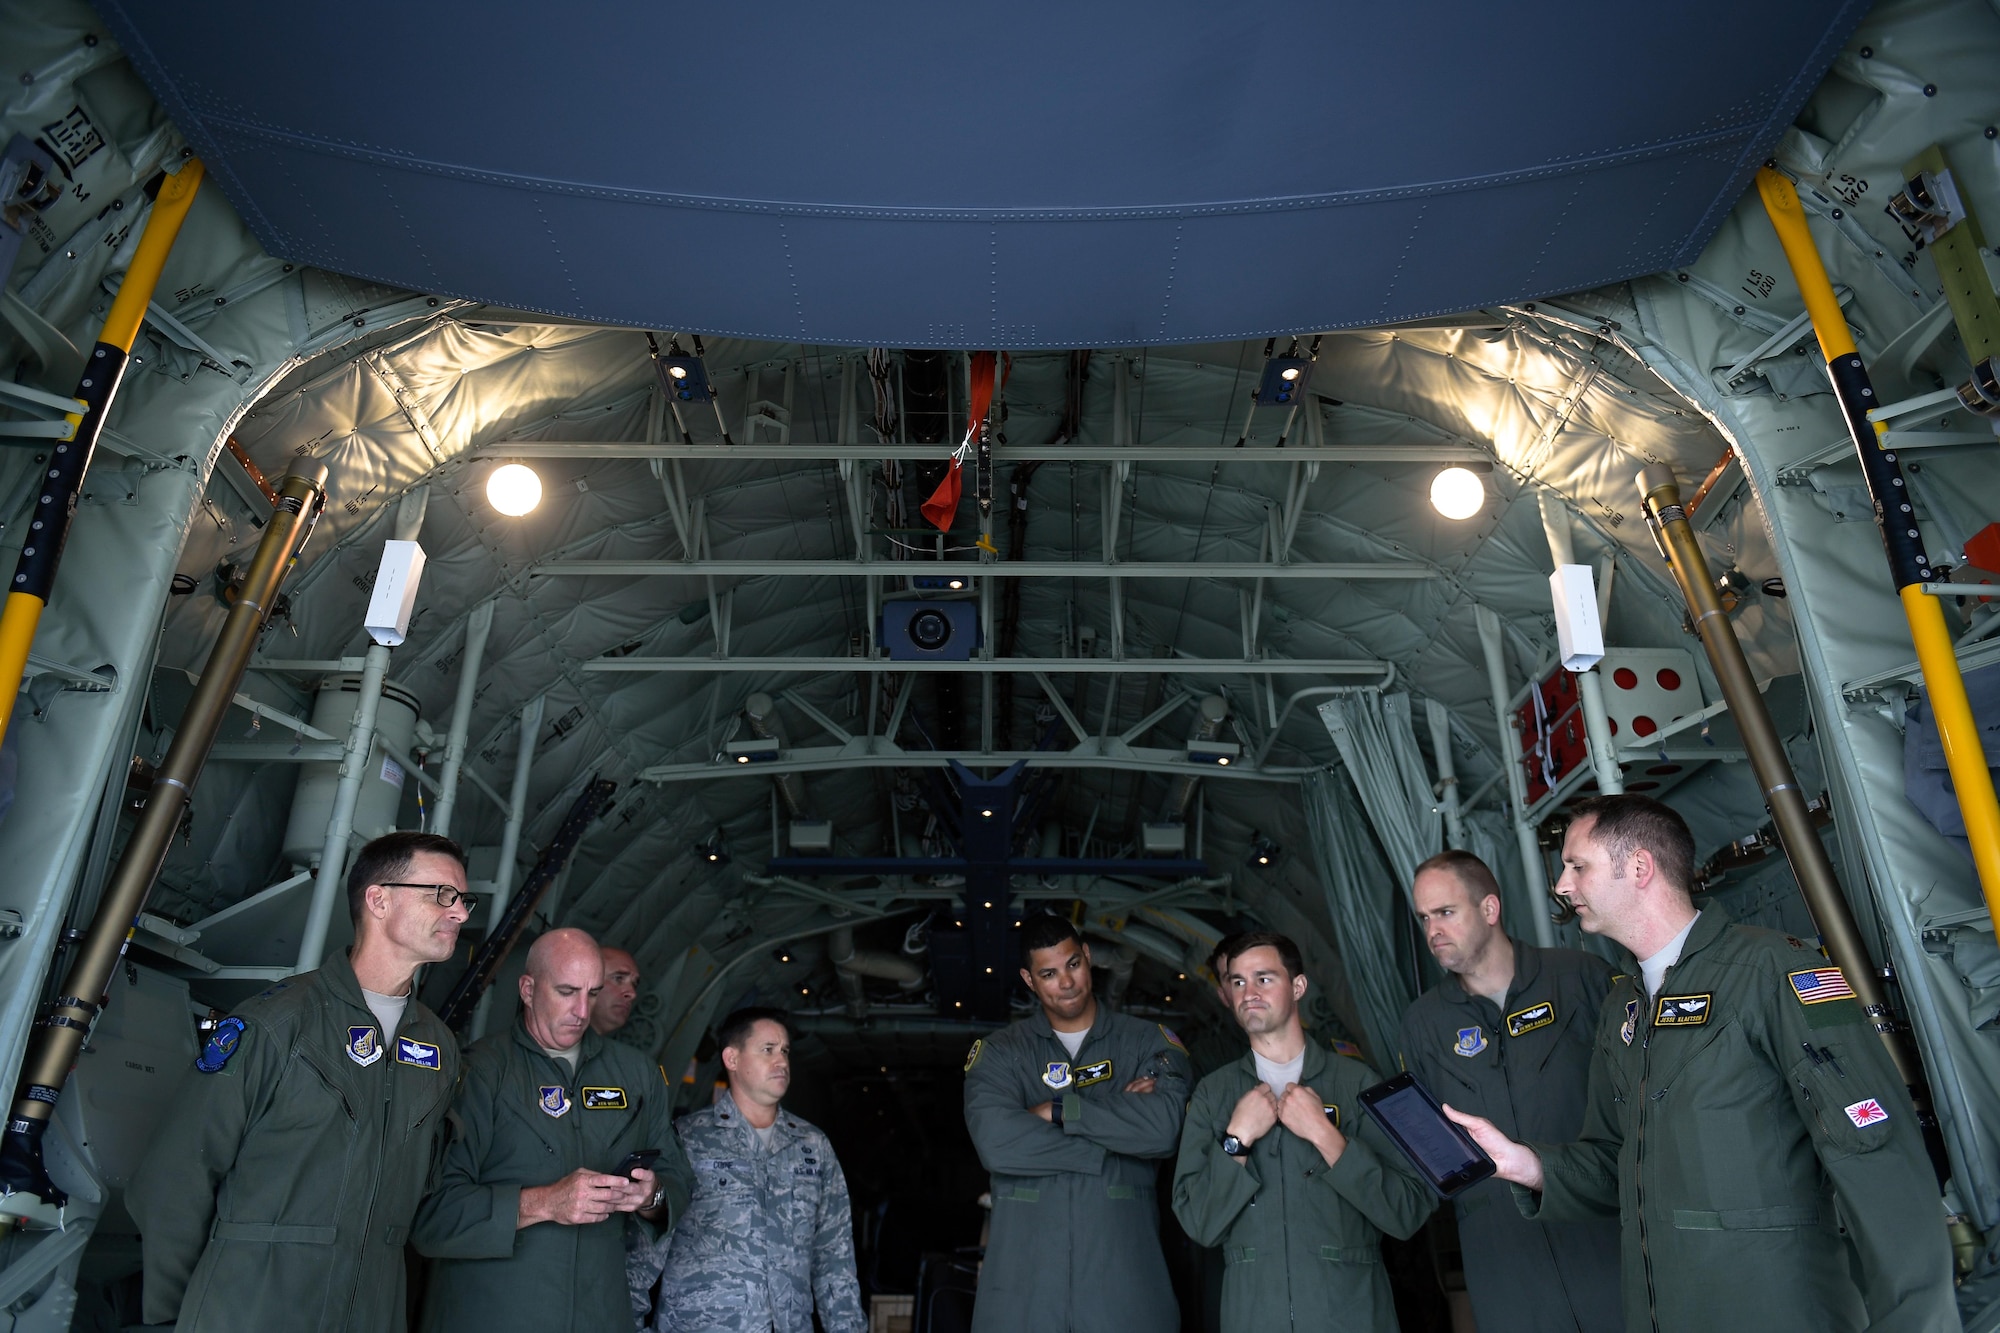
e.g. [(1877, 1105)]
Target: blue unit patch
[(1471, 1041), (1173, 1040), (419, 1053), (222, 1044), (363, 1046), (1056, 1074), (555, 1101)]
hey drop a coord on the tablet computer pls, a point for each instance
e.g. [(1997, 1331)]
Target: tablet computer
[(1443, 1154)]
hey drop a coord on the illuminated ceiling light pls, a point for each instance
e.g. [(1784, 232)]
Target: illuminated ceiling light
[(954, 584), (1263, 851), (986, 814), (989, 971), (1458, 493), (958, 1004), (713, 851), (678, 372), (513, 489), (1289, 373)]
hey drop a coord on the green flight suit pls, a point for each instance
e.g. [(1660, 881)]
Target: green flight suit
[(1075, 1239), (1528, 1071), (523, 1118), (280, 1190), (1747, 1128), (1301, 1241)]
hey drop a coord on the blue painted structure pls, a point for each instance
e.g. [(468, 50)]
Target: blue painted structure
[(1043, 175)]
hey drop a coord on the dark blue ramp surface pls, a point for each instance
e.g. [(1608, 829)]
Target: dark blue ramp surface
[(941, 175)]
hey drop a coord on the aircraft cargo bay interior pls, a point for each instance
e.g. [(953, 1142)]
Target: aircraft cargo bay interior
[(806, 499)]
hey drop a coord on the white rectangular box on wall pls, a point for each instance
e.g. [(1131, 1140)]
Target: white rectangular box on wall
[(1578, 633), (395, 595)]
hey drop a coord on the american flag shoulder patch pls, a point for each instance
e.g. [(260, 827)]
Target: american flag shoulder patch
[(1818, 985)]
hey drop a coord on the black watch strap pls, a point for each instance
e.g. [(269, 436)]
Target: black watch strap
[(1234, 1146), (1055, 1112)]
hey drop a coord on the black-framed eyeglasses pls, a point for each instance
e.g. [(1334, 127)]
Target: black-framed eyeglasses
[(444, 895)]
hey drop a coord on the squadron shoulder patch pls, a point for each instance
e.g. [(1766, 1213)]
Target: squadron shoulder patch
[(1341, 1046), (603, 1099), (1056, 1074), (1086, 1075), (422, 1054), (554, 1101), (1534, 1016), (222, 1044), (363, 1046), (1626, 1032), (1471, 1041), (1819, 985), (1173, 1040), (972, 1056), (1683, 1011)]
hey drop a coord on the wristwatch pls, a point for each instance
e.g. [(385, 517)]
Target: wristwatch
[(1234, 1146), (659, 1197), (1055, 1112)]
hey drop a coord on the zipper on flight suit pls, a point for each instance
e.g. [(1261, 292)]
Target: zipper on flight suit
[(375, 1191), (1500, 1042), (1639, 1161)]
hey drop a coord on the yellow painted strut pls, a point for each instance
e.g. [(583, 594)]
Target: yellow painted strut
[(103, 372), (1908, 563)]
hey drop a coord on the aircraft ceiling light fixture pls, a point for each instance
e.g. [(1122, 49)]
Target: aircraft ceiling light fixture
[(514, 489)]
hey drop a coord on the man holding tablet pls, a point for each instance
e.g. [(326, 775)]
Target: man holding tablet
[(1280, 1167), (1744, 1119), (1508, 1035)]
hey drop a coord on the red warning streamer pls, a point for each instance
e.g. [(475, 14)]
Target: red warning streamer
[(942, 507)]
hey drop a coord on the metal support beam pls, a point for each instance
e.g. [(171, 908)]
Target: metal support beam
[(1093, 754), (1179, 666), (1061, 707), (1004, 569), (1002, 454), (1440, 721), (1509, 751), (478, 626)]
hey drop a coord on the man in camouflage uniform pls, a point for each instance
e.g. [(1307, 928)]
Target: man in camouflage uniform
[(768, 1234), (281, 1186)]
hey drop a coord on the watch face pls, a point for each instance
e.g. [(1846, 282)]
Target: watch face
[(1232, 1145)]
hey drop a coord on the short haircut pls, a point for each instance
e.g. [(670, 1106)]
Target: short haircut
[(1627, 822), (1236, 946), (1045, 931), (388, 858), (1473, 873), (733, 1031)]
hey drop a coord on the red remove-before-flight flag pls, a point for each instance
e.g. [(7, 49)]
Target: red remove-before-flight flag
[(942, 507)]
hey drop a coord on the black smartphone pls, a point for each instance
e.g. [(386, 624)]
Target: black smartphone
[(641, 1160), (1444, 1155)]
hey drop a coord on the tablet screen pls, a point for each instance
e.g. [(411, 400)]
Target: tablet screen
[(1425, 1133)]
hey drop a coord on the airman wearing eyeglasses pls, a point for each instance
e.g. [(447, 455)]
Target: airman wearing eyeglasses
[(292, 1164)]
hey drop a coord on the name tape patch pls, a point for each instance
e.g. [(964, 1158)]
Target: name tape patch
[(603, 1099), (1534, 1016), (1683, 1011), (419, 1053), (1094, 1073), (1820, 985), (1332, 1113)]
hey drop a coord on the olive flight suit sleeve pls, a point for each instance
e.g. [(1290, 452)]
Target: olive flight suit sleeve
[(464, 1217), (1135, 1124), (836, 1286), (1372, 1175), (1210, 1188), (1864, 1130), (1580, 1179), (673, 1169), (1011, 1139), (172, 1196)]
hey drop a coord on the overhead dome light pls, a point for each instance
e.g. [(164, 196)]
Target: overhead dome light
[(678, 372), (1458, 492), (514, 489), (1289, 372)]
